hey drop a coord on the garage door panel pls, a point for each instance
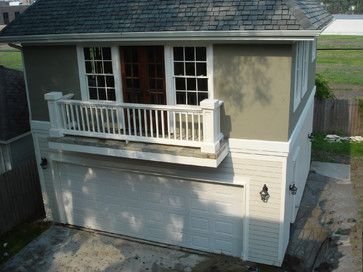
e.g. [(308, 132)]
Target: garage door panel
[(197, 215)]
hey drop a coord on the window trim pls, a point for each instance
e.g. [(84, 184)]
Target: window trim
[(301, 69), (169, 71), (116, 69)]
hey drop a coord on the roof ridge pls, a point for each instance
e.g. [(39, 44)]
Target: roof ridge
[(299, 14)]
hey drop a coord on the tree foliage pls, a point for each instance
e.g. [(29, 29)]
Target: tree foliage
[(323, 89), (344, 6)]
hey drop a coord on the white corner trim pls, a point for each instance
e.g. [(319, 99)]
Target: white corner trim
[(282, 231), (141, 155), (16, 138), (272, 148), (82, 73)]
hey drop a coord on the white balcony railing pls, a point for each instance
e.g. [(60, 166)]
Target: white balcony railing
[(193, 126)]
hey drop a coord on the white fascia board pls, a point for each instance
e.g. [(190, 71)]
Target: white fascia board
[(270, 35), (141, 155)]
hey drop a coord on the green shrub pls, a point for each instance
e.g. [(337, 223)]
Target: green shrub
[(323, 89)]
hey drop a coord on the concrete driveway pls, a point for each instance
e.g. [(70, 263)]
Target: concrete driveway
[(67, 249)]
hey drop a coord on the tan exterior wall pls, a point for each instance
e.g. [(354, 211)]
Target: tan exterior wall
[(254, 81), (50, 68), (294, 116)]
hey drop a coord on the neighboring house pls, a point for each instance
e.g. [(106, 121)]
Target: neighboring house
[(10, 12), (16, 144), (345, 25), (179, 122)]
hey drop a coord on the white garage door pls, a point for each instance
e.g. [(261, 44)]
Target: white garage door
[(195, 215)]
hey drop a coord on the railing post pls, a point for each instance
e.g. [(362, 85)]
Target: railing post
[(54, 114), (211, 125)]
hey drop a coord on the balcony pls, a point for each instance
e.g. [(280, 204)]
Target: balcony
[(171, 133)]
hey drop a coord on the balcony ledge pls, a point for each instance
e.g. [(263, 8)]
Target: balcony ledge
[(142, 151)]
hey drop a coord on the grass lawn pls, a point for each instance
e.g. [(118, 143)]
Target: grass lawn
[(342, 68), (11, 59), (340, 152), (19, 237)]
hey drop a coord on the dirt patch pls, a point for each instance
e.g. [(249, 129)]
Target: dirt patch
[(217, 263)]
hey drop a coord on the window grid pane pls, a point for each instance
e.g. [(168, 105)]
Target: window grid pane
[(99, 73), (190, 74)]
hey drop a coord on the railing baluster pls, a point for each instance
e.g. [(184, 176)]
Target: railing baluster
[(93, 116), (151, 123), (68, 118), (97, 120), (82, 118), (140, 128), (145, 123), (168, 124), (186, 127), (134, 120), (193, 133), (113, 119), (102, 120), (174, 115), (162, 124), (72, 117), (128, 121), (63, 110), (157, 123), (122, 112), (77, 117), (108, 120), (180, 126), (199, 129)]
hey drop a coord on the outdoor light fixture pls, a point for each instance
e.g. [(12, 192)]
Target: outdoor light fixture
[(293, 189), (311, 136), (264, 194), (44, 163)]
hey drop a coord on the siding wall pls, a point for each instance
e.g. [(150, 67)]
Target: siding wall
[(254, 81), (263, 219), (49, 68)]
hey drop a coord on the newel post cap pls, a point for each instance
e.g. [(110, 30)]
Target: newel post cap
[(210, 104), (53, 96)]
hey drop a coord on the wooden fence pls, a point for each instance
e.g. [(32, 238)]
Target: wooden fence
[(20, 196), (337, 116)]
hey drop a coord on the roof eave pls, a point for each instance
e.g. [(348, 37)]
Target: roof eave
[(287, 35)]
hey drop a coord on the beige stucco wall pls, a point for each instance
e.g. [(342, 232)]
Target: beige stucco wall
[(295, 115), (254, 81), (49, 68)]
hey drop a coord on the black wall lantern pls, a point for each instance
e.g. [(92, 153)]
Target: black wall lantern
[(311, 136), (44, 163), (293, 189), (264, 193)]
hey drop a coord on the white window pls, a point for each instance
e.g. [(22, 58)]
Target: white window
[(313, 50), (191, 74), (301, 71), (99, 73)]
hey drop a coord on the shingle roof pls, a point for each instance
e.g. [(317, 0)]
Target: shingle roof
[(109, 16), (14, 117)]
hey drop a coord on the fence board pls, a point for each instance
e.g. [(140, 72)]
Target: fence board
[(20, 196), (337, 116)]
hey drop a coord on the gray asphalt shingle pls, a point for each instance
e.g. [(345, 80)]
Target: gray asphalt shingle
[(107, 16), (14, 116)]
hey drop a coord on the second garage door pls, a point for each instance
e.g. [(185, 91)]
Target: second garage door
[(190, 214)]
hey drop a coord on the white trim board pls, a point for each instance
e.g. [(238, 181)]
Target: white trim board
[(113, 165), (268, 35), (141, 155)]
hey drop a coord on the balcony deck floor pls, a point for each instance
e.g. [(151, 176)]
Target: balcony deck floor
[(150, 148)]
